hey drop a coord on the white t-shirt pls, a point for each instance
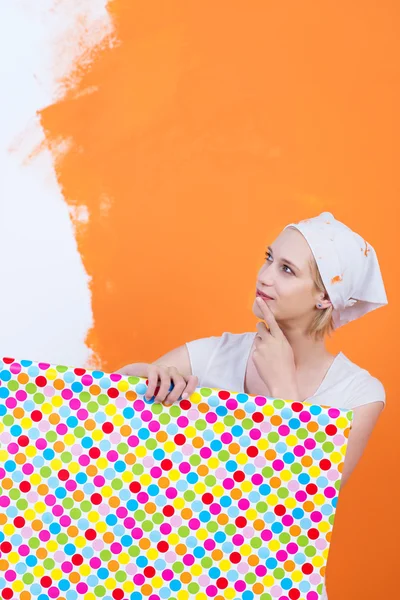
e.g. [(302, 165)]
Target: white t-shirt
[(220, 362)]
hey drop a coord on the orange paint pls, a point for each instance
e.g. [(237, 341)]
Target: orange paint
[(192, 142), (336, 279)]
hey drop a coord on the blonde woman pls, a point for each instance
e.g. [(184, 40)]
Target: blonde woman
[(317, 276)]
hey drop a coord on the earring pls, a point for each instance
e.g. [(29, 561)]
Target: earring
[(319, 305)]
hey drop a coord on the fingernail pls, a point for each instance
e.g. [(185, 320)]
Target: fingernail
[(185, 396)]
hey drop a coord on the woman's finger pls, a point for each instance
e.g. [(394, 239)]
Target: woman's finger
[(165, 384), (179, 385), (152, 378)]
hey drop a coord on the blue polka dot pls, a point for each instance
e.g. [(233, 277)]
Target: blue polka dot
[(141, 389), (277, 527), (69, 377), (242, 398), (271, 563), (237, 431), (128, 412), (294, 423), (288, 458), (4, 393), (77, 387), (199, 552), (323, 419), (221, 411), (5, 375), (214, 573), (315, 409), (304, 478)]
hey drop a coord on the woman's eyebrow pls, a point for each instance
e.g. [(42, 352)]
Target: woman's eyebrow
[(289, 262)]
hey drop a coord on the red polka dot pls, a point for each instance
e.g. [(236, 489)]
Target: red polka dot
[(63, 475), (36, 416), (313, 534), (294, 594), (280, 510), (25, 486), (77, 559), (23, 440), (235, 558), (162, 546), (307, 569), (41, 381), (46, 581), (331, 429), (252, 451), (149, 572), (19, 522), (179, 439), (258, 417), (311, 489), (118, 594), (94, 453), (96, 499), (166, 464), (224, 395), (239, 476), (325, 464), (107, 427), (207, 498), (297, 407), (222, 583), (90, 534), (78, 371), (240, 522), (112, 392), (168, 511), (8, 361), (185, 404), (135, 487), (7, 593), (5, 547)]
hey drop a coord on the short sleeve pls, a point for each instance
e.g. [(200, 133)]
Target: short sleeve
[(367, 389), (201, 352)]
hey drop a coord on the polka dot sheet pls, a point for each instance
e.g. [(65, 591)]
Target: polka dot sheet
[(104, 494)]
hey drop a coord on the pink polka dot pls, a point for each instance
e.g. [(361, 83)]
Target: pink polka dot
[(146, 416), (209, 545), (211, 591), (138, 579), (13, 448), (261, 570), (4, 501), (61, 429), (257, 479), (182, 421), (27, 469), (237, 539), (226, 438), (266, 535), (112, 455), (188, 560), (301, 496), (66, 567), (10, 575), (136, 533), (240, 585), (99, 481), (167, 574), (50, 500), (260, 401), (205, 452), (305, 416), (287, 520), (231, 404), (84, 460), (310, 444), (292, 548), (278, 465), (316, 516), (184, 467), (49, 391), (87, 380), (41, 444), (95, 562), (75, 404), (281, 555), (243, 504), (66, 394), (171, 493), (65, 521), (211, 417), (70, 485), (194, 524), (23, 550), (138, 405), (116, 548), (330, 492), (15, 368), (215, 509), (283, 430), (82, 587), (299, 451), (53, 592), (334, 413), (133, 441), (21, 395), (129, 522), (82, 414), (228, 483), (154, 426), (255, 434), (156, 472)]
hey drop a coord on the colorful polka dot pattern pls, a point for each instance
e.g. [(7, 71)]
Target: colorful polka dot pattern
[(104, 494)]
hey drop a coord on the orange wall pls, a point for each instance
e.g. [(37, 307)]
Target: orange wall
[(212, 125)]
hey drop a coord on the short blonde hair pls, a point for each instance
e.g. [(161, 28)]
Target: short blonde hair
[(322, 323)]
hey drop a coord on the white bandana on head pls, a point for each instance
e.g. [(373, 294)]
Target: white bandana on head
[(348, 266)]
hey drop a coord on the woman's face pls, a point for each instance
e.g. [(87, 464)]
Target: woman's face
[(287, 279)]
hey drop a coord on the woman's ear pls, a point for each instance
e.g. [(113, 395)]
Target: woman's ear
[(323, 301)]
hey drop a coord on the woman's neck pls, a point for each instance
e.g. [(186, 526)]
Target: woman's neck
[(306, 349)]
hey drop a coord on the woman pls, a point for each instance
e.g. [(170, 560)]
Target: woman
[(318, 275)]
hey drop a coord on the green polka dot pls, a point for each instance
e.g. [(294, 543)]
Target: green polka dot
[(195, 460), (133, 551), (212, 526), (34, 543), (206, 562), (278, 404), (106, 555), (85, 397), (310, 551), (79, 432), (296, 468), (68, 503), (279, 573), (164, 419), (177, 567), (302, 433), (210, 480), (175, 411), (156, 408), (151, 444), (247, 424), (183, 531), (62, 539), (140, 515), (133, 380), (117, 484), (273, 437), (261, 507), (302, 541), (200, 425), (51, 436), (250, 578), (283, 493), (14, 494), (75, 513), (229, 421), (49, 564), (284, 538), (38, 398), (92, 407), (223, 455), (102, 400), (30, 388), (22, 504), (120, 576), (123, 448), (27, 578), (13, 385), (267, 472), (193, 588), (86, 506), (230, 529), (189, 495), (61, 368), (45, 472), (320, 437), (99, 591), (328, 447), (137, 469), (158, 518), (256, 542), (205, 392), (8, 420), (147, 526), (66, 457)]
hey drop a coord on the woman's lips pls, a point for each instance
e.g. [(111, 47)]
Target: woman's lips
[(263, 295)]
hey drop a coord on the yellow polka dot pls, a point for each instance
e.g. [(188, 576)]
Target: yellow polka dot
[(106, 491), (140, 451), (84, 570), (319, 499), (30, 451), (152, 554), (69, 439), (262, 444), (157, 582), (93, 516), (18, 586), (291, 440), (57, 401), (38, 571), (182, 595), (199, 488), (101, 527), (169, 447), (80, 541), (110, 410), (195, 398), (51, 374), (242, 459), (246, 486), (269, 581), (26, 423), (314, 471), (179, 503), (110, 583), (274, 545), (190, 432), (56, 464), (127, 476), (268, 410), (218, 491), (219, 428), (29, 514), (46, 408), (56, 574), (118, 420), (246, 550), (145, 479), (297, 576), (317, 561), (213, 463), (128, 586), (202, 534), (102, 463), (342, 423), (225, 565), (13, 557), (74, 468), (290, 503), (51, 546), (229, 593), (336, 457), (39, 507), (286, 475), (272, 500), (124, 558), (174, 475), (8, 529), (196, 570), (123, 385), (3, 455), (173, 539), (251, 514), (35, 479), (97, 435), (324, 526)]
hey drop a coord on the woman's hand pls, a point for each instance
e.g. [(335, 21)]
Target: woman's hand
[(172, 385), (273, 357)]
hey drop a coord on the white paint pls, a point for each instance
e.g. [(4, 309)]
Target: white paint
[(45, 301)]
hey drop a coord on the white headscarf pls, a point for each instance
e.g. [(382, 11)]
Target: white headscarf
[(348, 266)]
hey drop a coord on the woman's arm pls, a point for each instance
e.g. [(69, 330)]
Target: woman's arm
[(178, 358), (364, 420)]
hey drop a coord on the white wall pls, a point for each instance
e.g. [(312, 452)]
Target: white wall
[(45, 302)]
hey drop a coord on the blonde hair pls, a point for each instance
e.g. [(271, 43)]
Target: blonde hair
[(322, 324)]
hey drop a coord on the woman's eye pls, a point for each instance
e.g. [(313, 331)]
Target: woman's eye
[(268, 255), (289, 271)]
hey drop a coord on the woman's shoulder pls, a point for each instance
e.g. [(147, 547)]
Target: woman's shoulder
[(362, 385)]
